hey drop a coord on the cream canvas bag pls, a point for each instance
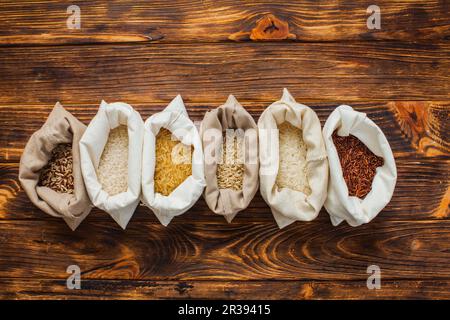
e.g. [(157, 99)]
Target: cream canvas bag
[(288, 205), (60, 127), (339, 204), (109, 116), (175, 119), (231, 115)]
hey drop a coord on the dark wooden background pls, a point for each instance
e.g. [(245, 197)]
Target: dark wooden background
[(146, 52)]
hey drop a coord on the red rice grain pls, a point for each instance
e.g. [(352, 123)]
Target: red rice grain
[(358, 164)]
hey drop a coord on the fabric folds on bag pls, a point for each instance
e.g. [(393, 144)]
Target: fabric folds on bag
[(228, 202), (289, 205), (61, 127), (109, 116), (339, 204), (175, 119)]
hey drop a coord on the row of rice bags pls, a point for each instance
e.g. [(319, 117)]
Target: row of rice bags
[(119, 161), (356, 181), (125, 160), (349, 167)]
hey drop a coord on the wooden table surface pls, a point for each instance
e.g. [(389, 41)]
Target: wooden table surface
[(146, 52)]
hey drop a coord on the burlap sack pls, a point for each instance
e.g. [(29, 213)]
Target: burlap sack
[(231, 115), (289, 205), (339, 204), (60, 127)]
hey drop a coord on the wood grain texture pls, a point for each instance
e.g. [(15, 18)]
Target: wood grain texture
[(144, 53), (252, 290), (208, 73), (44, 22), (219, 251)]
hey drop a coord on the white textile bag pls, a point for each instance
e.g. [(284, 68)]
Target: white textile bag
[(289, 205), (175, 119), (109, 116), (339, 204)]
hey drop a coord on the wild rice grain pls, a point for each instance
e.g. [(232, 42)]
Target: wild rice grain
[(57, 174)]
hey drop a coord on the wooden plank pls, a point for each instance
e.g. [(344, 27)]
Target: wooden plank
[(416, 250), (208, 73), (412, 127), (422, 192), (251, 290), (44, 22)]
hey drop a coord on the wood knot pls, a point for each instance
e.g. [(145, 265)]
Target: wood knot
[(443, 210), (307, 291), (183, 288), (424, 124), (416, 245), (268, 28)]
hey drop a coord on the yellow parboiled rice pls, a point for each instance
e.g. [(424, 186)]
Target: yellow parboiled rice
[(173, 162)]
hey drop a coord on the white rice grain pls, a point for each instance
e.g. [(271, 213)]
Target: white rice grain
[(292, 171), (112, 170)]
